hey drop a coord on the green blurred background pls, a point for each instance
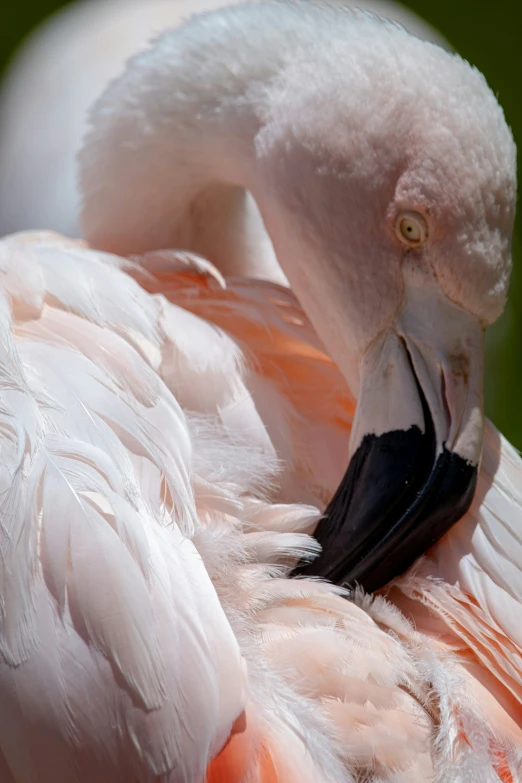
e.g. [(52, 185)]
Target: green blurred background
[(489, 35)]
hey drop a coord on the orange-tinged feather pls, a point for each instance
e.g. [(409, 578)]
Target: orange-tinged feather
[(267, 770), (280, 338), (502, 769), (232, 762), (241, 755)]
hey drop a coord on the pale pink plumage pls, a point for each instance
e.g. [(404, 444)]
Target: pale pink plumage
[(60, 71), (113, 473), (168, 439)]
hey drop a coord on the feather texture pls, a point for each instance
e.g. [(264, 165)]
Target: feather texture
[(108, 614), (169, 432), (145, 540)]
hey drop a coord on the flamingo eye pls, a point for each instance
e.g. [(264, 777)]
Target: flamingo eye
[(411, 228)]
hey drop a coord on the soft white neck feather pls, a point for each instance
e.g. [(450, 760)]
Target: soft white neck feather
[(179, 139), (316, 112), (172, 150), (190, 106)]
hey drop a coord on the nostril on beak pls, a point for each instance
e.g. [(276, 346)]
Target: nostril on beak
[(444, 398)]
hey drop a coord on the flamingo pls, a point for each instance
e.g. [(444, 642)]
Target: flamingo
[(59, 72), (173, 428)]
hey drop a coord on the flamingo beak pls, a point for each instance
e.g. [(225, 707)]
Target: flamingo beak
[(415, 446)]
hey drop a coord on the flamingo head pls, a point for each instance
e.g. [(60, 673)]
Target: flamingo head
[(384, 171), (389, 194)]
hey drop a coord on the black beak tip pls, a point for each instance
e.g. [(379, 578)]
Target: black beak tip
[(396, 500)]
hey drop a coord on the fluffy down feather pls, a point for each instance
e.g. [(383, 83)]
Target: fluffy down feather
[(117, 661), (145, 617)]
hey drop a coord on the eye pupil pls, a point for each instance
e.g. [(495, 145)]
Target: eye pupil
[(411, 227)]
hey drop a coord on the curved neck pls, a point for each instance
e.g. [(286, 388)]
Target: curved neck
[(214, 110), (169, 160)]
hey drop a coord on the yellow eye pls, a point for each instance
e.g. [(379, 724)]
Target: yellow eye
[(411, 228)]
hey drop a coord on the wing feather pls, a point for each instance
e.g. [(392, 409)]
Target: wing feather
[(109, 624)]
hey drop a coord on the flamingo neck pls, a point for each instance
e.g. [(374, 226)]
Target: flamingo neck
[(211, 112), (170, 159)]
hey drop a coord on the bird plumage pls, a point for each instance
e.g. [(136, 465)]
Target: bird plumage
[(60, 70), (124, 512), (169, 440)]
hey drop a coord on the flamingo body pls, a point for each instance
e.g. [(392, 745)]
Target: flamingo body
[(173, 428), (142, 503)]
